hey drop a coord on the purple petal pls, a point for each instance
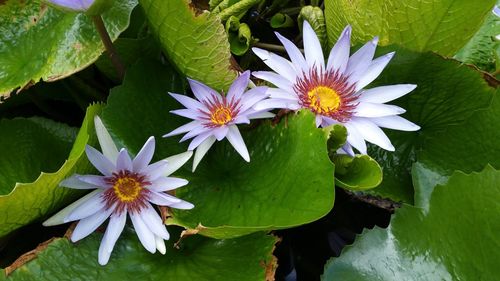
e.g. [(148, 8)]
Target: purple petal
[(108, 146), (220, 132), (99, 161), (155, 170), (339, 55), (75, 5), (145, 235), (372, 133), (177, 161), (239, 86), (154, 223), (234, 137), (280, 65), (91, 206), (87, 225), (253, 96), (361, 60), (188, 113), (312, 48), (99, 181), (384, 94), (75, 182), (274, 78), (167, 183), (201, 91), (294, 53), (184, 128), (145, 155), (198, 140), (162, 199), (188, 102), (202, 150), (374, 70), (113, 231), (123, 162)]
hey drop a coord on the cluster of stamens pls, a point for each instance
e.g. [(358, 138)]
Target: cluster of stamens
[(127, 192), (220, 111), (327, 93)]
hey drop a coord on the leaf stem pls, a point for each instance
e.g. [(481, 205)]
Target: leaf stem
[(108, 44), (272, 47)]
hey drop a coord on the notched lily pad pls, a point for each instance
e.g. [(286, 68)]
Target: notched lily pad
[(357, 173)]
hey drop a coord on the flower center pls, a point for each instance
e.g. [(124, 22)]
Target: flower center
[(327, 93), (127, 189), (324, 99), (221, 116)]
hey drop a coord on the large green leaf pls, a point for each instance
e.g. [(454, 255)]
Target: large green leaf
[(447, 94), (194, 40), (40, 42), (482, 48), (443, 26), (198, 258), (288, 182), (455, 239), (28, 147)]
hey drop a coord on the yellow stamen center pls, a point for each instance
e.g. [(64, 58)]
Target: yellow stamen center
[(127, 189), (324, 99), (221, 116)]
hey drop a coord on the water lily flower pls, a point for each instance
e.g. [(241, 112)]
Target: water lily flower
[(126, 186), (496, 12), (335, 91), (74, 5), (215, 116)]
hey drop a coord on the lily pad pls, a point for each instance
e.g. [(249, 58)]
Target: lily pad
[(443, 26), (28, 147), (199, 258), (455, 239), (288, 182), (194, 40), (40, 42), (447, 94)]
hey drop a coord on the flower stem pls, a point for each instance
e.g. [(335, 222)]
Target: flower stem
[(108, 44), (272, 47)]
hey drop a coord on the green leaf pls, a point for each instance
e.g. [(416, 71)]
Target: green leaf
[(482, 47), (194, 41), (240, 41), (358, 173), (443, 26), (447, 94), (41, 42), (455, 239), (198, 258), (288, 182), (41, 144), (315, 17), (280, 20), (338, 137)]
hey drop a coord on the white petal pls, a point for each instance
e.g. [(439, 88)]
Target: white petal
[(274, 78), (87, 225), (92, 205), (155, 170), (160, 245), (100, 162), (198, 140), (234, 137), (220, 133), (280, 65), (270, 104), (202, 150), (107, 144), (496, 11), (294, 53), (184, 128), (59, 217), (162, 199), (339, 55), (374, 70), (154, 223), (195, 132), (145, 235), (99, 181), (361, 60), (188, 102), (113, 231), (188, 113), (201, 91), (123, 162), (355, 138), (145, 155), (319, 120), (239, 86), (167, 183), (368, 109), (395, 123), (386, 93), (241, 119), (76, 183), (177, 161), (312, 48), (372, 133), (276, 93), (347, 148), (182, 205), (253, 96), (261, 115)]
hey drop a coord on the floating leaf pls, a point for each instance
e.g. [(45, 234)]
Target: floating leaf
[(280, 20), (455, 239), (288, 182), (41, 42), (357, 173), (315, 17), (198, 258), (443, 26), (42, 144), (447, 94), (194, 41)]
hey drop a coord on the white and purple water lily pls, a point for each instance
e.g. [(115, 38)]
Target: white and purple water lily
[(215, 116), (73, 5), (127, 186), (496, 12), (334, 92)]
